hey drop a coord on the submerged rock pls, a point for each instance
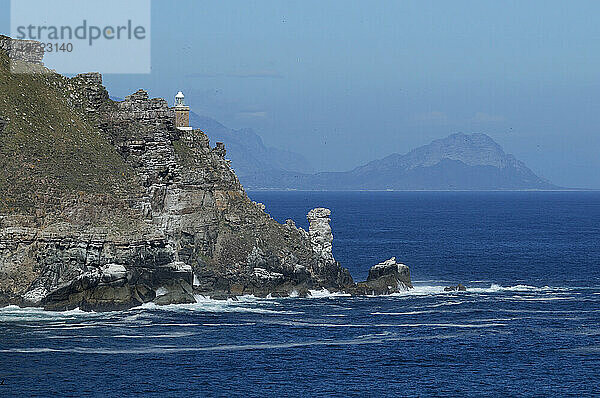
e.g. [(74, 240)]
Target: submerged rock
[(458, 288)]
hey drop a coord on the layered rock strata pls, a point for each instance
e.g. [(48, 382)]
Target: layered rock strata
[(166, 218)]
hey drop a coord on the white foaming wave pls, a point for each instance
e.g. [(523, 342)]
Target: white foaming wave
[(547, 298), (39, 310), (31, 350), (525, 311), (514, 318), (368, 335), (420, 290), (158, 336), (76, 327), (428, 290), (517, 288), (13, 313), (446, 304), (249, 304), (324, 293), (135, 318)]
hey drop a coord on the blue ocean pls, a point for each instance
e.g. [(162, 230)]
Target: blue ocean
[(528, 325)]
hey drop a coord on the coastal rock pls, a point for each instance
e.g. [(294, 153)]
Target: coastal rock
[(114, 286), (386, 278), (321, 239), (265, 275), (175, 292), (100, 288), (320, 233), (387, 268), (458, 288)]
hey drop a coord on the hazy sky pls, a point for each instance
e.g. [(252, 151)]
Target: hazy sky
[(345, 82)]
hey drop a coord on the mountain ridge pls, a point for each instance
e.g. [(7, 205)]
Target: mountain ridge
[(247, 151), (457, 162)]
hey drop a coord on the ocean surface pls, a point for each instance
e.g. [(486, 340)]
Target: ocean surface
[(529, 324)]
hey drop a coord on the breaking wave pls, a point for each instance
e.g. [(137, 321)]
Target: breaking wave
[(420, 290), (13, 313), (324, 293), (517, 288), (275, 306), (241, 304)]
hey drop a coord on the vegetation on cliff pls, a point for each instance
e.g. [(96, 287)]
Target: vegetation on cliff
[(49, 151)]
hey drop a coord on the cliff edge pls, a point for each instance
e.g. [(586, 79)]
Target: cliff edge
[(106, 205)]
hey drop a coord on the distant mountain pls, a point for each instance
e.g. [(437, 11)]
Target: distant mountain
[(248, 153), (457, 162)]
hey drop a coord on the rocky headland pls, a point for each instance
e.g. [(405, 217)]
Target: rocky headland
[(107, 205)]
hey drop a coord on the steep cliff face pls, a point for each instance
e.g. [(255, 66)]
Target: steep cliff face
[(107, 205), (192, 195)]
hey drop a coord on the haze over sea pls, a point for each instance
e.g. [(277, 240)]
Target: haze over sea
[(529, 323)]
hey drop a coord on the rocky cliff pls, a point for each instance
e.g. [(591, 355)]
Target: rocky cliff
[(107, 205)]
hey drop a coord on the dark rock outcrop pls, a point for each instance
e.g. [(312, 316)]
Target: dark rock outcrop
[(385, 278), (114, 286), (458, 288)]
